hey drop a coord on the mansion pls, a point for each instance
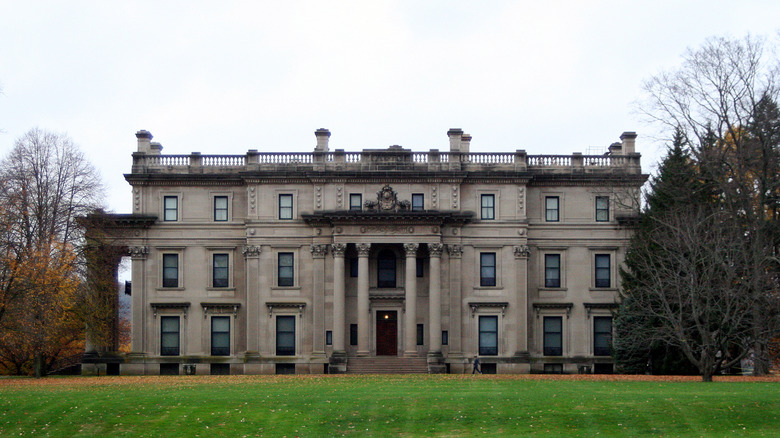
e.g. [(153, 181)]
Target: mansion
[(380, 260)]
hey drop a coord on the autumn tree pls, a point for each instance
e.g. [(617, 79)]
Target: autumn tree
[(722, 101), (47, 185)]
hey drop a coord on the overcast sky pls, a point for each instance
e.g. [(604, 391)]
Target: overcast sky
[(550, 77)]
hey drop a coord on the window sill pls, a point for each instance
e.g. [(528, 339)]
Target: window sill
[(553, 289), (285, 288), (499, 287), (169, 289), (603, 289), (221, 289)]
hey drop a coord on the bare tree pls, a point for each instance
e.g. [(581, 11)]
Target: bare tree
[(47, 185), (723, 99)]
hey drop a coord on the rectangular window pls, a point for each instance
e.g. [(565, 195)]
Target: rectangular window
[(170, 270), (418, 202), (552, 270), (420, 267), (602, 335), (286, 268), (353, 267), (328, 337), (551, 209), (420, 334), (488, 335), (285, 207), (353, 334), (355, 201), (602, 270), (488, 207), (220, 336), (445, 337), (487, 269), (169, 335), (553, 336), (285, 335), (220, 208), (602, 208), (170, 208), (220, 270)]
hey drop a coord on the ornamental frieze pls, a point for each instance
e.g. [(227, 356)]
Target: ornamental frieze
[(387, 229)]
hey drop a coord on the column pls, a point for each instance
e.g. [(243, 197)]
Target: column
[(138, 257), (253, 311), (521, 254), (410, 327), (362, 298), (434, 290), (455, 252), (337, 249), (318, 252)]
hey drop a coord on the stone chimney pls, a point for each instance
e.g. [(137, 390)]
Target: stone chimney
[(155, 148), (322, 140), (465, 142), (616, 148), (629, 141), (455, 136), (144, 141)]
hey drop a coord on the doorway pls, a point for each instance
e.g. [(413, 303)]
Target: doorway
[(387, 333)]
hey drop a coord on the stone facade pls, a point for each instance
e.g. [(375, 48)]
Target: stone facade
[(300, 262)]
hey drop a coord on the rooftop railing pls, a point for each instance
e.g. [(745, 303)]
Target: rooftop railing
[(385, 160)]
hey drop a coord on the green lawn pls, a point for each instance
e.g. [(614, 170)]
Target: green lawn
[(384, 406)]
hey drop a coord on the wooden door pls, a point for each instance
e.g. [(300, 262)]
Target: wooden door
[(387, 333)]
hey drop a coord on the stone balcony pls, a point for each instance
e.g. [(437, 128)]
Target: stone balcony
[(393, 158)]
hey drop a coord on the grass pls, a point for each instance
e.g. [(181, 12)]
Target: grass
[(384, 406)]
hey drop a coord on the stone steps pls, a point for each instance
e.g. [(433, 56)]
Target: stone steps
[(387, 365)]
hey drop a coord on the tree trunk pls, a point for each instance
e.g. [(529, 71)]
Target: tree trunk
[(39, 365)]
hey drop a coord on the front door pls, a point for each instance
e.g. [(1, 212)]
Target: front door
[(387, 333)]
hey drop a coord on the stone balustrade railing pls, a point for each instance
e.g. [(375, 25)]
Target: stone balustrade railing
[(390, 159)]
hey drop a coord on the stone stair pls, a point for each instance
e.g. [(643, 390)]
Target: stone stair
[(387, 365)]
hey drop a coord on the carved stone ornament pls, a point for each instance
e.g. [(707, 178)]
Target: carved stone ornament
[(387, 200), (363, 249), (252, 251), (319, 251), (337, 249), (522, 252), (137, 251), (411, 249), (455, 251), (435, 249)]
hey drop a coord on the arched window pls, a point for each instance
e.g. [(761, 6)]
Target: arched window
[(385, 269)]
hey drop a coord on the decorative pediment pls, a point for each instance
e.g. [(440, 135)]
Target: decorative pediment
[(387, 200)]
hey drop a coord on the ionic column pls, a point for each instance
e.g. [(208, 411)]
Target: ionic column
[(434, 304), (410, 332), (455, 252), (362, 298), (337, 249), (521, 254), (318, 252)]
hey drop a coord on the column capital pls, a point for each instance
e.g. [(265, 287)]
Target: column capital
[(455, 251), (337, 249), (522, 252), (435, 249), (363, 249), (318, 251), (138, 252), (252, 251), (411, 249)]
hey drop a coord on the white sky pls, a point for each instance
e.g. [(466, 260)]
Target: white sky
[(551, 77)]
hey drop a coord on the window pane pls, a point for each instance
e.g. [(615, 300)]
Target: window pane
[(285, 207), (602, 335), (553, 335), (169, 335), (602, 208), (220, 270), (420, 267), (286, 269), (285, 335), (602, 270), (386, 269), (171, 205), (170, 270), (552, 270), (355, 201), (487, 275), (418, 201), (220, 336), (420, 334), (220, 208), (488, 335), (488, 207), (551, 208)]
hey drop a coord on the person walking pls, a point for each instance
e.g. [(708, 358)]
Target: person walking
[(476, 365)]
